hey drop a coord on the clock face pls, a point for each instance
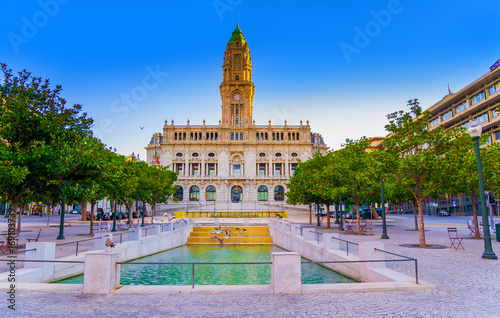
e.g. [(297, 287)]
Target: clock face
[(237, 97)]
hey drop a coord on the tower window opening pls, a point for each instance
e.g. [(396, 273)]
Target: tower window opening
[(237, 78)]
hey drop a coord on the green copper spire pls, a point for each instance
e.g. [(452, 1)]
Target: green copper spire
[(237, 34)]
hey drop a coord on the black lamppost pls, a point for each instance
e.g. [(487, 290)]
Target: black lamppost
[(143, 211), (384, 224), (114, 213), (61, 225), (337, 221), (475, 131), (317, 211)]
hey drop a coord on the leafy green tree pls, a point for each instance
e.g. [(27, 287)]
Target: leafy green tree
[(357, 173), (462, 167), (157, 183), (300, 186), (420, 151), (39, 136)]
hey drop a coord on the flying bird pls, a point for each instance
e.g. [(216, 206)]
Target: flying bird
[(241, 230), (141, 128), (109, 243), (220, 239), (169, 217), (217, 230)]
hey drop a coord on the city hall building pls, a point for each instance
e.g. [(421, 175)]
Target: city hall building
[(235, 161)]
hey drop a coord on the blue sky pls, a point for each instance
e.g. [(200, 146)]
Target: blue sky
[(342, 65)]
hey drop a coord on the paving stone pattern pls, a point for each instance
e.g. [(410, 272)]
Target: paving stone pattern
[(467, 286)]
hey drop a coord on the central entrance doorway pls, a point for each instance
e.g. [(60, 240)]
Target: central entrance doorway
[(236, 194)]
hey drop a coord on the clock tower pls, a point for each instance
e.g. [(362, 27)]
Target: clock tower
[(237, 89)]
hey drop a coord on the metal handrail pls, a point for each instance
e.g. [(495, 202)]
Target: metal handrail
[(41, 261), (77, 242), (407, 258), (195, 263), (316, 235), (368, 261), (348, 242)]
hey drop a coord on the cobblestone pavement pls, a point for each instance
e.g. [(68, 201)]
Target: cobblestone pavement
[(467, 286)]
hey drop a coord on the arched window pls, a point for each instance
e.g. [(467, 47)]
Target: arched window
[(179, 194), (211, 193), (237, 63), (236, 194), (262, 193), (279, 193), (194, 193)]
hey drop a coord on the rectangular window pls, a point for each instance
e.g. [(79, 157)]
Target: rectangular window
[(477, 98), (277, 169), (461, 107), (237, 170), (262, 169), (241, 136), (179, 169), (435, 122), (494, 112), (232, 136), (497, 136), (495, 88), (236, 136), (211, 169), (483, 118), (448, 115), (196, 169), (293, 166)]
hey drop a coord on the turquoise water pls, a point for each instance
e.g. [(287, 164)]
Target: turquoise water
[(214, 274)]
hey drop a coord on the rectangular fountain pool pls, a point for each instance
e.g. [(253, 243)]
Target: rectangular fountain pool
[(230, 274)]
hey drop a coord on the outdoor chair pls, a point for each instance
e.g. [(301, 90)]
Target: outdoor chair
[(456, 241), (35, 239), (472, 229), (367, 227), (349, 227)]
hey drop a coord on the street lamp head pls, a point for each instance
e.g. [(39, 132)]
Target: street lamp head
[(475, 129)]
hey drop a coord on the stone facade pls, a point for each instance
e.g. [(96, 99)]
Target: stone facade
[(236, 157)]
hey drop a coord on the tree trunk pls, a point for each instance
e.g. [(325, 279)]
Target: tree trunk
[(415, 211), (327, 215), (84, 210), (358, 226), (310, 214), (375, 214), (49, 204), (421, 218), (92, 205), (127, 207), (477, 234)]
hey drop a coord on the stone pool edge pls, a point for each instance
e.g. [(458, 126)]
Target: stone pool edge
[(224, 289)]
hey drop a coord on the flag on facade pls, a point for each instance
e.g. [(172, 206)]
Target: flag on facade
[(157, 158)]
